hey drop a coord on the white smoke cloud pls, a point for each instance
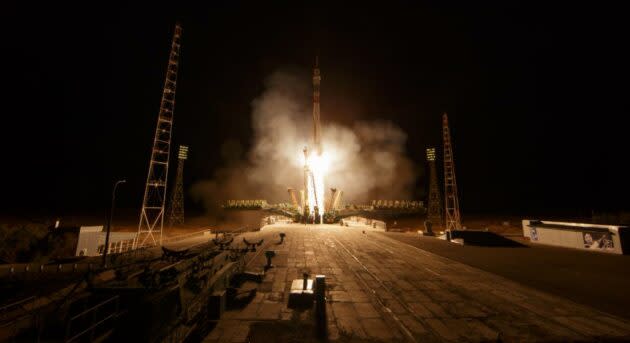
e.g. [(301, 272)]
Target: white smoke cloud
[(367, 160)]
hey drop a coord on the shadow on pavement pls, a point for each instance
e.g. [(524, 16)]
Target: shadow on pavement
[(485, 238)]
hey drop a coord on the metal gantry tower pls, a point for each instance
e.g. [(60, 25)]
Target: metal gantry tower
[(451, 201), (152, 213), (435, 202), (176, 215)]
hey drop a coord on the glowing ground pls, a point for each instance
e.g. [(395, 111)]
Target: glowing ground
[(379, 289)]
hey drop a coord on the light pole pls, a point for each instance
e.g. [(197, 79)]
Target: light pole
[(109, 222)]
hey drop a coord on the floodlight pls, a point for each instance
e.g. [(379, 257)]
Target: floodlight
[(183, 152)]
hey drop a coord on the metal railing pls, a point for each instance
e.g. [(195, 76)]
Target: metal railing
[(176, 238), (95, 322), (114, 260), (57, 268), (186, 236), (15, 305), (10, 327)]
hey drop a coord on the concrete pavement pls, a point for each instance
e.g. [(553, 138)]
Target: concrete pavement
[(380, 289), (596, 279)]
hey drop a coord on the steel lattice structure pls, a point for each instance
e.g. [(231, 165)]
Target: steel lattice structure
[(152, 213), (176, 215), (435, 202), (451, 200)]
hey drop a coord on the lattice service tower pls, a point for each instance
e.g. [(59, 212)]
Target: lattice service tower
[(176, 216), (451, 201), (152, 213), (435, 202)]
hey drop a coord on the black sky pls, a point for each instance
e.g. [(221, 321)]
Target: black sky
[(535, 93)]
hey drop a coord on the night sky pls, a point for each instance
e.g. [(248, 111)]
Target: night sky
[(536, 94)]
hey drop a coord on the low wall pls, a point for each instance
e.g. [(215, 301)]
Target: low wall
[(591, 237)]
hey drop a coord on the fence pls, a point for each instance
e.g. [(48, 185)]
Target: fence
[(93, 321)]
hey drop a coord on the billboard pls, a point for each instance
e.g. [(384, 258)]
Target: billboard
[(598, 240), (533, 234)]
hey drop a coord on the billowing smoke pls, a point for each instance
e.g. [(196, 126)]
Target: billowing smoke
[(367, 160)]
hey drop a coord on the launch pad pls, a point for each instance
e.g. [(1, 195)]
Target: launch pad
[(313, 204), (362, 285), (318, 270), (382, 290), (378, 209)]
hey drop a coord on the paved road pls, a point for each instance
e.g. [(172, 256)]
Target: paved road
[(599, 280), (385, 290)]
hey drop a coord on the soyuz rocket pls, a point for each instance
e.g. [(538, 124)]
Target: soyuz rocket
[(317, 129), (309, 177), (309, 181), (316, 126)]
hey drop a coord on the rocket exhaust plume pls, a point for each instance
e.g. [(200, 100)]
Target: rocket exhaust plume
[(366, 160)]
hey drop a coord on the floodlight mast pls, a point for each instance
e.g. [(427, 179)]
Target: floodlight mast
[(176, 215), (435, 204)]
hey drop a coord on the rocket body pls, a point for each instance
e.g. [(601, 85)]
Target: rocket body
[(317, 138), (313, 168)]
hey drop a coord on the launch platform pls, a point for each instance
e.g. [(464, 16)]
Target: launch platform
[(379, 289)]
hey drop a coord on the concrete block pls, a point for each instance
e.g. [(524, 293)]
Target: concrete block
[(216, 305), (301, 294)]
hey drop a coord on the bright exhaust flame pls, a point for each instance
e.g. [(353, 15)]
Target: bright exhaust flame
[(317, 166)]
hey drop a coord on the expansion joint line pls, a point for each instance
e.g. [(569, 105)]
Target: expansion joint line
[(403, 327)]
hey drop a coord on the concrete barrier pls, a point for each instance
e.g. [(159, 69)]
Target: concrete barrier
[(591, 237)]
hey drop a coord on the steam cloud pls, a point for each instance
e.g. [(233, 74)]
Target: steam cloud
[(367, 160)]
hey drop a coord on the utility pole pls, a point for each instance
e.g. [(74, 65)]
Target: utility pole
[(109, 222)]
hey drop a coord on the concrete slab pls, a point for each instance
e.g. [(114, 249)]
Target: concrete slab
[(366, 310), (383, 290)]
